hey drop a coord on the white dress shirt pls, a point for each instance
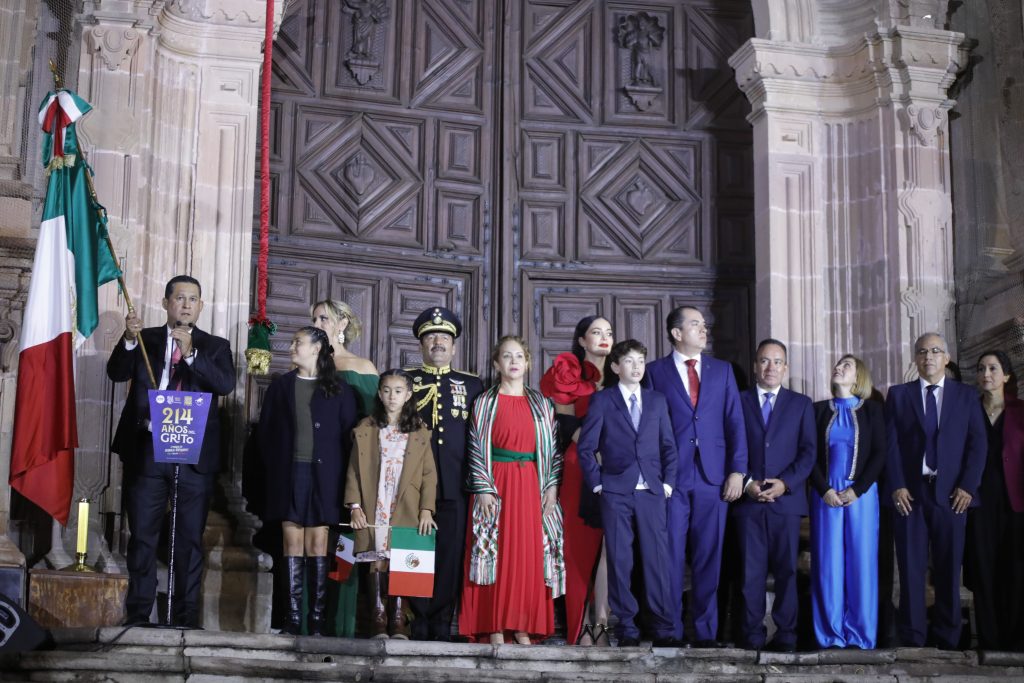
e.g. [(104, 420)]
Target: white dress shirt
[(641, 485)]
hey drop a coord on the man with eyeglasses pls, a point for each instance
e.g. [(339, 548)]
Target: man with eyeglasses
[(937, 446), (707, 419)]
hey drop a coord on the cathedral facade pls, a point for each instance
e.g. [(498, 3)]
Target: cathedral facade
[(840, 175)]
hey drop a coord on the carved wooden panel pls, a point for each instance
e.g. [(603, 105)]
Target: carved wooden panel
[(383, 167), (523, 163), (633, 189)]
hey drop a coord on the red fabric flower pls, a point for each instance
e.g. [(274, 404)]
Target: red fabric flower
[(566, 380)]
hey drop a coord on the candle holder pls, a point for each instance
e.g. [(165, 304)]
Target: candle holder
[(82, 546), (79, 565)]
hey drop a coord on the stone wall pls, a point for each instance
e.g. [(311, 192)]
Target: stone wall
[(987, 144), (853, 212)]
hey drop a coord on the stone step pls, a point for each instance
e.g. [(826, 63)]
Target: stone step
[(142, 655)]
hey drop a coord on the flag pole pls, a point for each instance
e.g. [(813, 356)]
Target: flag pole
[(58, 84)]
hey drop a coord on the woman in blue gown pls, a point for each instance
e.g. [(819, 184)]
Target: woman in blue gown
[(844, 510)]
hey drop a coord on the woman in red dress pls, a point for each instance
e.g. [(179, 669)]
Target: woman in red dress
[(569, 383), (514, 566)]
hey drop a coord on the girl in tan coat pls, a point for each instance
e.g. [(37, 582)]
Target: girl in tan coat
[(391, 482)]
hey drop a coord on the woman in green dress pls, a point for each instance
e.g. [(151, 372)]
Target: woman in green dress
[(343, 326)]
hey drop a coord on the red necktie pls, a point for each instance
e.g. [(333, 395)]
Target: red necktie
[(693, 380), (175, 359)]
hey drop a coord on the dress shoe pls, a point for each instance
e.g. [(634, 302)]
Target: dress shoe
[(670, 642), (708, 643), (776, 646), (747, 645), (628, 641)]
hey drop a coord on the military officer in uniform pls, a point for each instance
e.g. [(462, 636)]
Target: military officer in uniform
[(443, 398)]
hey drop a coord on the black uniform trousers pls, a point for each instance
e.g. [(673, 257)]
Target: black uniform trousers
[(434, 615)]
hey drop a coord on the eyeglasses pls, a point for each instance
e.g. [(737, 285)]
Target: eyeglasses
[(935, 351)]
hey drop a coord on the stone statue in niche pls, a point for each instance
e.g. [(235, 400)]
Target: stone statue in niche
[(640, 33), (366, 15)]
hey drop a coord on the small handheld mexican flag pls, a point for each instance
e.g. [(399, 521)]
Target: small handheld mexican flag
[(344, 558), (411, 572)]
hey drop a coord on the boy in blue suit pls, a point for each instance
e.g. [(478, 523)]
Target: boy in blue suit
[(630, 427)]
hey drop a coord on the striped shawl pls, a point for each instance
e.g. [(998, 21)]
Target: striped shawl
[(483, 559)]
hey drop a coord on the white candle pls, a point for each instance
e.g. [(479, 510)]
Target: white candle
[(83, 526)]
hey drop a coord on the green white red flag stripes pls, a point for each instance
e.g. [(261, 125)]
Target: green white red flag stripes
[(61, 312), (344, 558), (411, 570)]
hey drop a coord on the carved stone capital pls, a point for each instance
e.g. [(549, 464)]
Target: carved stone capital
[(923, 122), (230, 29), (113, 44)]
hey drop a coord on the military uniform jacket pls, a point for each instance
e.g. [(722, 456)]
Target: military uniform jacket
[(443, 399)]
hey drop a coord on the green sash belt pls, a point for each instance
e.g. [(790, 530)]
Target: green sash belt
[(503, 455)]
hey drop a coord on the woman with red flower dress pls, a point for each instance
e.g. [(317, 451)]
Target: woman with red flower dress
[(570, 382)]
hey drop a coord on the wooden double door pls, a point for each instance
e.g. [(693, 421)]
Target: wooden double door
[(522, 162)]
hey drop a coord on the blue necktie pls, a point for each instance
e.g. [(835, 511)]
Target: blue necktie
[(931, 429), (634, 412), (766, 408)]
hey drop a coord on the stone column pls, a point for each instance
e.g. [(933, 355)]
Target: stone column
[(852, 192), (17, 30), (173, 142)]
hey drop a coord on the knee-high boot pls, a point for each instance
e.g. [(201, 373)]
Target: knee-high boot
[(296, 567), (316, 572)]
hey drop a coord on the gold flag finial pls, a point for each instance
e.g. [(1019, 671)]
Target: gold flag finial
[(57, 80)]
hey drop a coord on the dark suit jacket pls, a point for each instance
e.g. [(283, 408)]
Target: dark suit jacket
[(785, 450), (627, 452), (213, 371), (333, 420), (869, 448), (1013, 452), (714, 429), (963, 441)]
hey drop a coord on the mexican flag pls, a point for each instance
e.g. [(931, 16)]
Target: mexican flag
[(344, 558), (60, 314), (411, 570)]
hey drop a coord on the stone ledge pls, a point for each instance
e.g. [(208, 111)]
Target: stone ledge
[(404, 674), (96, 661), (248, 669), (997, 658)]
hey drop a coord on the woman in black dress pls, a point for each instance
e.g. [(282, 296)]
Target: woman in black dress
[(994, 557), (304, 435)]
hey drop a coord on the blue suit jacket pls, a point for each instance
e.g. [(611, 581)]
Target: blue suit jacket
[(786, 450), (627, 452), (963, 441), (715, 427)]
